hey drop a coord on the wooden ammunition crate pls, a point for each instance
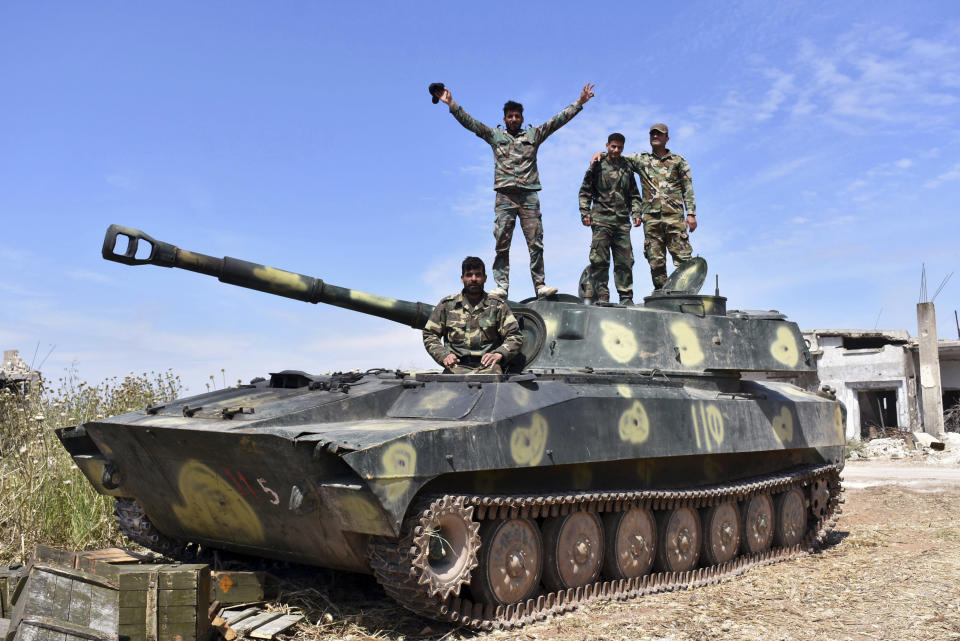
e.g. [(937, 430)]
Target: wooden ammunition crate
[(8, 583), (159, 602)]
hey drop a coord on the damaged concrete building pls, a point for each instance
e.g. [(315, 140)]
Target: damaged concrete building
[(877, 376)]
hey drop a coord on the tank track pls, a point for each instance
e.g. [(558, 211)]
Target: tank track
[(133, 522), (393, 565)]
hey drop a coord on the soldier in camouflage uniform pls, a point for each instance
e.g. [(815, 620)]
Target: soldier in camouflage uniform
[(517, 181), (610, 188), (666, 189), (472, 332)]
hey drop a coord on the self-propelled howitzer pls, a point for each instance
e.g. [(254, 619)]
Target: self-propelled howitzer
[(627, 450)]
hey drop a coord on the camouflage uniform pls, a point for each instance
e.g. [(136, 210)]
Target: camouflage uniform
[(516, 180), (611, 188), (470, 331), (667, 188)]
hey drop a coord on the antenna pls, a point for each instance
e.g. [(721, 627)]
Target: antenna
[(942, 285), (716, 291), (957, 321), (877, 322), (923, 285), (52, 347)]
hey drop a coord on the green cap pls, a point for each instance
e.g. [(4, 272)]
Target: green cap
[(660, 127)]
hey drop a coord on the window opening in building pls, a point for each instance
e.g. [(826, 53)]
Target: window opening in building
[(867, 342), (951, 410), (878, 411)]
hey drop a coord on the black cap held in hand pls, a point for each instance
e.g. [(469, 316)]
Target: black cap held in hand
[(436, 90)]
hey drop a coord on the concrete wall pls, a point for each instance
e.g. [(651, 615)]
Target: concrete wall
[(850, 371), (950, 374)]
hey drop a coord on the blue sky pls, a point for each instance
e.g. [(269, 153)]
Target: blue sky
[(822, 137)]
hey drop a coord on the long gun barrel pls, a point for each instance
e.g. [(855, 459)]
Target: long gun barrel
[(260, 277)]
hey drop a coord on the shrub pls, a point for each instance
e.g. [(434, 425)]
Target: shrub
[(44, 498)]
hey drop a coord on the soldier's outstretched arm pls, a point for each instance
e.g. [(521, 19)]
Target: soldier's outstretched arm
[(465, 119), (543, 131), (586, 94)]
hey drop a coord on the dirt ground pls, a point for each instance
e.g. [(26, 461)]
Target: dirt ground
[(891, 570)]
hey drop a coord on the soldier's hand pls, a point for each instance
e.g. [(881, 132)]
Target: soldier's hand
[(691, 223), (491, 358), (450, 360), (596, 158), (446, 97), (586, 94), (586, 220), (637, 221)]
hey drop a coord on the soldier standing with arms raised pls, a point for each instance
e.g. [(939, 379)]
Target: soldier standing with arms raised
[(608, 199), (517, 181)]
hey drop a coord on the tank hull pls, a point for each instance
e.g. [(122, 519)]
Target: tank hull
[(310, 475)]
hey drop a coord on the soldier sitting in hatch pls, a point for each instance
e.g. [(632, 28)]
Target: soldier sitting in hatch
[(472, 332)]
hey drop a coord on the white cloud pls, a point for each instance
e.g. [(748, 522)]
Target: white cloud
[(82, 274), (782, 169), (950, 175)]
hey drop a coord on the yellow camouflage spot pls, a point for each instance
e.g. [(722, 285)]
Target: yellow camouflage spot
[(249, 445), (618, 340), (634, 424), (783, 426), (398, 461), (527, 444), (707, 305), (687, 343), (521, 395), (683, 283), (551, 324), (359, 509), (838, 424), (784, 348), (213, 508), (624, 391), (372, 299), (282, 278), (436, 399), (188, 257)]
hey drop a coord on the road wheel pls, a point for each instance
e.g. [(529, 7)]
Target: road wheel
[(572, 550), (630, 543), (510, 561), (721, 533), (757, 524), (791, 518), (678, 536)]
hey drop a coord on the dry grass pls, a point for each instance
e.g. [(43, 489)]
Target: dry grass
[(891, 571), (43, 496)]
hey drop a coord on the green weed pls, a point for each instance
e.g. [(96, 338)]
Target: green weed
[(44, 498)]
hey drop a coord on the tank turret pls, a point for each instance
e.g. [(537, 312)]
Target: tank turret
[(675, 330)]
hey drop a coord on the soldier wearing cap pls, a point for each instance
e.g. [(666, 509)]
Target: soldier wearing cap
[(472, 332), (666, 189), (516, 181)]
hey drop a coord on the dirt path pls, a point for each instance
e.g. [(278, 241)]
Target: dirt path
[(891, 571)]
